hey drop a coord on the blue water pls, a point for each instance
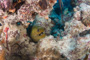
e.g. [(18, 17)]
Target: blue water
[(66, 4), (55, 15)]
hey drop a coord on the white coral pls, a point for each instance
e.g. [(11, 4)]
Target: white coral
[(66, 45), (74, 27)]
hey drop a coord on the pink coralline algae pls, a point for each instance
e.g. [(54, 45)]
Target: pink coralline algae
[(31, 8), (5, 4)]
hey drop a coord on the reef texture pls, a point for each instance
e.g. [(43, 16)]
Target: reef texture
[(47, 49), (31, 8), (15, 44), (75, 41)]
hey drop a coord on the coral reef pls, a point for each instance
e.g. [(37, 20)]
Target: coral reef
[(13, 34), (31, 8), (47, 49), (44, 30), (74, 44)]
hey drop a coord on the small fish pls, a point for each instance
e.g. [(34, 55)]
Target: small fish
[(37, 33)]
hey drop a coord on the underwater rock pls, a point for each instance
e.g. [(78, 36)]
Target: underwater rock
[(13, 32), (86, 21), (85, 14), (71, 39), (26, 13), (31, 8), (47, 49), (47, 43), (18, 33), (74, 47), (82, 14), (82, 48), (42, 5), (75, 44), (10, 6), (66, 45), (78, 54), (78, 33), (10, 19), (22, 51), (74, 27), (79, 21), (48, 55), (29, 48), (83, 1)]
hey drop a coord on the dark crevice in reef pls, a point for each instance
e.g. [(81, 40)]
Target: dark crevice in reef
[(16, 5), (84, 33), (19, 5)]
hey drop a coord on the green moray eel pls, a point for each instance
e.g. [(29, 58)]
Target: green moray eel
[(37, 33)]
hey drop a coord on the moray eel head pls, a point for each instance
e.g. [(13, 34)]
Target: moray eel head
[(37, 33)]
